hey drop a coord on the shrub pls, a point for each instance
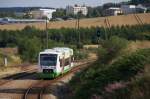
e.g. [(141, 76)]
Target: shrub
[(80, 54), (95, 80), (138, 89), (29, 49), (111, 48)]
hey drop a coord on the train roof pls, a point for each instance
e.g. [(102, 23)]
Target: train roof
[(58, 50)]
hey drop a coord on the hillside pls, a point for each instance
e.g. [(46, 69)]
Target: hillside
[(127, 77), (99, 21)]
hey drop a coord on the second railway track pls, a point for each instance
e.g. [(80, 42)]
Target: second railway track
[(10, 78)]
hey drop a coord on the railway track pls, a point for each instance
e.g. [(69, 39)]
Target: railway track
[(36, 91), (17, 76)]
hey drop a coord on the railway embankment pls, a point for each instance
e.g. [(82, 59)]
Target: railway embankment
[(126, 75)]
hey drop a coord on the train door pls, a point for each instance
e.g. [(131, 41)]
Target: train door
[(62, 64)]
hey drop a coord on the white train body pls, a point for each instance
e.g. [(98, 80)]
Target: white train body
[(53, 62)]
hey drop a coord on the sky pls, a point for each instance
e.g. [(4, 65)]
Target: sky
[(52, 3)]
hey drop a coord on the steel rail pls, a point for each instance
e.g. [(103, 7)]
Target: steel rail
[(45, 85)]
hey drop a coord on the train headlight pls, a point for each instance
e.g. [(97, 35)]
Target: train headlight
[(48, 71)]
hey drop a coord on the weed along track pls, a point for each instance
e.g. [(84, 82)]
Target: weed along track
[(38, 90)]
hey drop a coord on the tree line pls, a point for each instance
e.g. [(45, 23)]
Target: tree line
[(139, 1), (31, 40)]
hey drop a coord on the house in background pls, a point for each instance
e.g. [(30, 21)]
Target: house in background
[(112, 11), (76, 9), (124, 9), (20, 14), (42, 12), (130, 9), (141, 9)]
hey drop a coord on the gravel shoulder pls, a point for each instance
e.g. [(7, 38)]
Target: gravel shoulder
[(7, 71)]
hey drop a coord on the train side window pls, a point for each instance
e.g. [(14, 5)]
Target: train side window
[(72, 59), (67, 62), (61, 62)]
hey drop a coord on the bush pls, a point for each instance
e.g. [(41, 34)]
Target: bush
[(111, 48), (80, 54), (94, 81), (80, 46), (29, 49), (138, 89)]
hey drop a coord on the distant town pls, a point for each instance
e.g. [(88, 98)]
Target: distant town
[(41, 14)]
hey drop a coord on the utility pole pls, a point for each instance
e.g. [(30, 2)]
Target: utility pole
[(78, 28), (5, 60), (46, 34)]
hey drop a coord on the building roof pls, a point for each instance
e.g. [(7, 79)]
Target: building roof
[(114, 8), (129, 6)]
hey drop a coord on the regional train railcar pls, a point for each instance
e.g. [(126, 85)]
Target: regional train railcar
[(56, 61)]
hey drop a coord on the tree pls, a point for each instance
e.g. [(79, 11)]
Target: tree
[(94, 12), (29, 49), (60, 13), (111, 48), (139, 1)]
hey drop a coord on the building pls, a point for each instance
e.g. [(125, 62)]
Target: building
[(130, 9), (12, 21), (76, 9), (141, 9), (20, 14), (41, 13), (112, 11)]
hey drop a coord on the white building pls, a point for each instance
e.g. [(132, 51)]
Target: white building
[(130, 9), (20, 14), (41, 13), (112, 11), (141, 9), (76, 9)]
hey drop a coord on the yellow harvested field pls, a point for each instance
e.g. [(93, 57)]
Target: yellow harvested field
[(145, 18), (88, 22)]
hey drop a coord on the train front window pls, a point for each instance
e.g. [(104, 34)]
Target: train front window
[(48, 59)]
